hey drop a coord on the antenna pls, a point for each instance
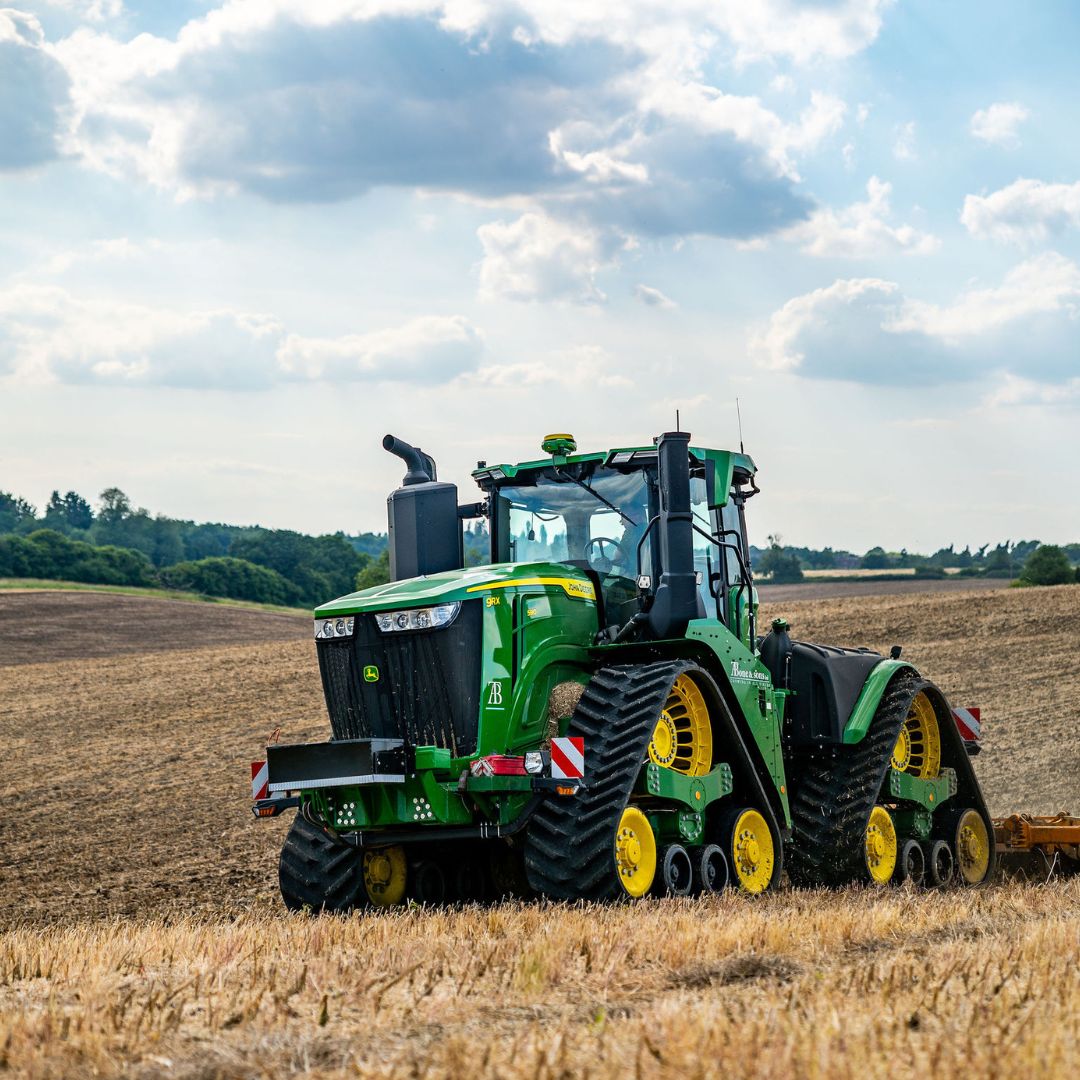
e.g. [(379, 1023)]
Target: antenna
[(738, 412), (677, 426)]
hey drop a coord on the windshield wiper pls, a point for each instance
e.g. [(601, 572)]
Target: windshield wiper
[(596, 495)]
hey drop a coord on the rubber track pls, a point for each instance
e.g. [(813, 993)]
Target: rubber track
[(569, 845), (835, 793), (318, 873)]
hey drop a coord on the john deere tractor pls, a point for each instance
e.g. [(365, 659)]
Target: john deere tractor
[(594, 713)]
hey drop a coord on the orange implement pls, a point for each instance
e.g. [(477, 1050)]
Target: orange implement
[(1056, 838)]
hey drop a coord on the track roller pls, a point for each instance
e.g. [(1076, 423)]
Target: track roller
[(711, 871), (385, 874), (972, 843), (675, 873), (910, 864), (941, 864)]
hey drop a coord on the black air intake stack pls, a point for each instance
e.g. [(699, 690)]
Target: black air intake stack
[(676, 599), (422, 516)]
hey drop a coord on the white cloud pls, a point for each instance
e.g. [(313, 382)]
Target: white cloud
[(904, 143), (34, 99), (601, 110), (867, 330), (590, 365), (1000, 123), (52, 335), (654, 297), (1025, 211), (433, 349), (539, 258), (861, 230)]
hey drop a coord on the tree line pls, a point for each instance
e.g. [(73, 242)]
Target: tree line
[(1029, 561), (119, 544)]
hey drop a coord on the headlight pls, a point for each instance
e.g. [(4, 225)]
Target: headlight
[(325, 629), (425, 618)]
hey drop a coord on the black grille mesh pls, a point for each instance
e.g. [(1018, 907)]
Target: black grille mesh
[(428, 688)]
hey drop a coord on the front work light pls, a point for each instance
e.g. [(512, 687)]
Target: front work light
[(427, 618), (325, 629)]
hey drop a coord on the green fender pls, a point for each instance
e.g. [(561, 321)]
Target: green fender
[(870, 697)]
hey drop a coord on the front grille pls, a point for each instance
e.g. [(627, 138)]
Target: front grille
[(428, 688)]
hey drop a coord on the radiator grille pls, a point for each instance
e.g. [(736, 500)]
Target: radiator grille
[(428, 688)]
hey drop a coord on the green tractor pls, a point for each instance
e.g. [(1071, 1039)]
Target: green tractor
[(593, 713)]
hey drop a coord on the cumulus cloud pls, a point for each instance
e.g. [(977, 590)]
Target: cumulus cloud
[(1000, 123), (538, 258), (867, 330), (861, 230), (52, 335), (603, 111), (653, 297), (33, 93), (1024, 211)]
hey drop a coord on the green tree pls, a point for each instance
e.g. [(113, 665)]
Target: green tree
[(68, 513), (1047, 565), (377, 572), (780, 565), (875, 559), (15, 513), (233, 578)]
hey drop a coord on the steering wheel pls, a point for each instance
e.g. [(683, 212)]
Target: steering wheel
[(602, 564)]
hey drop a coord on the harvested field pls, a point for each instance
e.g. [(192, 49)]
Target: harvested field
[(140, 932), (829, 590)]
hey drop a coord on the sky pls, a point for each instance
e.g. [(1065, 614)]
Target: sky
[(240, 242)]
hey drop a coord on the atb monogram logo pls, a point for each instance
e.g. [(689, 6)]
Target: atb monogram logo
[(495, 696)]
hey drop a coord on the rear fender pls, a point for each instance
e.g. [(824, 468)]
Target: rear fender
[(866, 705)]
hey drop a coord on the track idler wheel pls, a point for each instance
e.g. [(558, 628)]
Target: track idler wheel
[(941, 864), (750, 849), (880, 846), (427, 883), (910, 864), (711, 871), (675, 876), (972, 843)]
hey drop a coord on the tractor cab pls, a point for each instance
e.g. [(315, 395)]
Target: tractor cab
[(599, 513)]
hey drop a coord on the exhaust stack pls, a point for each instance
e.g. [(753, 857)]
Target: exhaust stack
[(676, 601), (422, 518)]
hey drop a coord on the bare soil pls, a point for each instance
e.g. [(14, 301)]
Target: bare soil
[(828, 590), (53, 626)]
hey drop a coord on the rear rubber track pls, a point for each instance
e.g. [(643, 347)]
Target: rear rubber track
[(835, 791), (569, 846), (317, 872)]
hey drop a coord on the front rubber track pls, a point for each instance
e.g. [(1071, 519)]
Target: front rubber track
[(317, 873), (834, 790), (570, 842)]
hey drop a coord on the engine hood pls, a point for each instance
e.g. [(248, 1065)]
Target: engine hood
[(463, 585)]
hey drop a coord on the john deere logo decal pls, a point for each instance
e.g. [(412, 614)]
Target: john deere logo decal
[(371, 673)]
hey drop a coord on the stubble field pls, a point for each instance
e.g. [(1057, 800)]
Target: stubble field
[(140, 932)]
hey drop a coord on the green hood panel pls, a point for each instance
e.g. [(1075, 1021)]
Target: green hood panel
[(463, 585)]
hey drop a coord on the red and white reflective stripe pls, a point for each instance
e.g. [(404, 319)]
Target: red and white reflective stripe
[(260, 779), (568, 758), (968, 724)]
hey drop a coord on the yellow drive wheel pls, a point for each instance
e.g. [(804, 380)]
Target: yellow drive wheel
[(918, 747), (881, 846), (682, 738), (635, 852), (752, 852), (384, 875), (972, 847)]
